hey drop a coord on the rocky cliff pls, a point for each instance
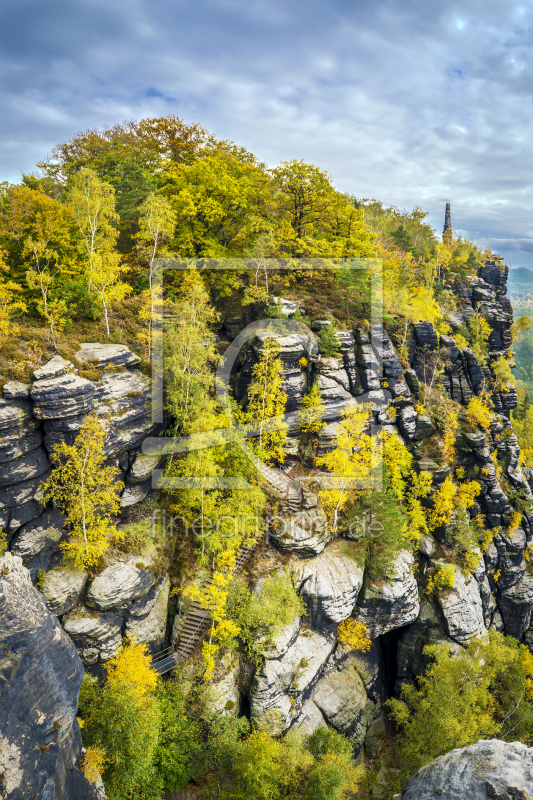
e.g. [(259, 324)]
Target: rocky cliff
[(40, 678), (309, 679), (128, 597)]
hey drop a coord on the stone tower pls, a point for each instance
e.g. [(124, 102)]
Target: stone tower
[(447, 219)]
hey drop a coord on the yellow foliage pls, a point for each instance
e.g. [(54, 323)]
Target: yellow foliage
[(354, 634), (398, 460), (132, 665), (478, 411), (471, 561), (94, 762), (266, 401), (8, 304), (84, 489), (460, 341), (450, 425), (349, 462), (444, 506), (527, 665), (312, 411), (443, 579), (303, 362), (467, 493), (515, 522)]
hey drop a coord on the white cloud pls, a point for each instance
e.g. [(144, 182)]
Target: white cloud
[(396, 101)]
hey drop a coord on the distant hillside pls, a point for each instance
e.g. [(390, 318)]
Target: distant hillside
[(520, 280)]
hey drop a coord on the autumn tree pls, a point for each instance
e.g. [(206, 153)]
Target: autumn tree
[(124, 722), (86, 491), (266, 403), (311, 414), (37, 231), (10, 302), (349, 462), (484, 691), (156, 224)]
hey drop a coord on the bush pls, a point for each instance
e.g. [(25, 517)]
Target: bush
[(328, 342), (260, 616)]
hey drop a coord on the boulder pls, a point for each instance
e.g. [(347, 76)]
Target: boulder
[(142, 468), (97, 636), (341, 697), (37, 541), (150, 626), (40, 679), (64, 396), (118, 584), (62, 587), (394, 604), (135, 493), (54, 368), (222, 695), (309, 719), (15, 390), (462, 608), (488, 768), (304, 532), (29, 466), (329, 584), (278, 686), (106, 355)]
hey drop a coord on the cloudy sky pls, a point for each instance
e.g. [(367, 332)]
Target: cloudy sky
[(412, 102)]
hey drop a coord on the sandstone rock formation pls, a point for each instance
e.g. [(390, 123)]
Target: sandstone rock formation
[(488, 768), (40, 678)]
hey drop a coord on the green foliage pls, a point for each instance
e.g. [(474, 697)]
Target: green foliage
[(266, 401), (482, 691), (260, 615), (442, 580), (328, 342), (179, 744), (3, 542), (378, 523), (503, 375), (312, 411), (318, 767)]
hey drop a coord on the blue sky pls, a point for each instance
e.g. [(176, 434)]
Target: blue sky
[(413, 103)]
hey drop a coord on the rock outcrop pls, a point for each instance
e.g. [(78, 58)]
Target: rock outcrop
[(488, 768), (40, 678)]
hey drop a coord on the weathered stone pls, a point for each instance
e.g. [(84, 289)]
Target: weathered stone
[(97, 636), (25, 468), (40, 678), (222, 695), (55, 368), (142, 468), (281, 680), (64, 396), (385, 607), (342, 699), (305, 532), (309, 719), (488, 768), (38, 540), (62, 587), (151, 627), (15, 390), (462, 608), (516, 606), (283, 640), (329, 584), (106, 355), (135, 493), (118, 584)]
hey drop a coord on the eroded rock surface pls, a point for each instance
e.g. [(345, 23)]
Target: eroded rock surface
[(488, 768), (40, 678)]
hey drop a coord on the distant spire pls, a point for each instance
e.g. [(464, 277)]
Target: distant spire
[(447, 219)]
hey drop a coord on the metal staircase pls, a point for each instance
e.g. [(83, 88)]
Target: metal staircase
[(194, 623)]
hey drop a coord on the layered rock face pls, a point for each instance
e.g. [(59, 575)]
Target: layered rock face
[(125, 599), (34, 417), (40, 678), (308, 679), (488, 768)]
